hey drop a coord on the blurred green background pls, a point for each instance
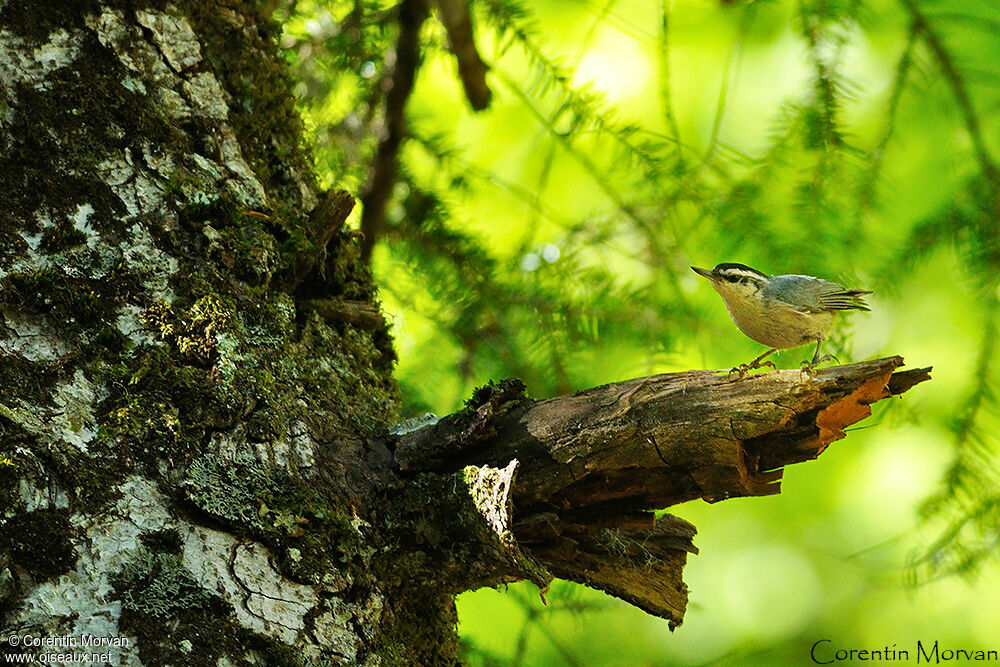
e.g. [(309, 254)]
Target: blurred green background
[(549, 238)]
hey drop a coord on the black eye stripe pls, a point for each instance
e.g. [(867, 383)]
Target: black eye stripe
[(742, 279)]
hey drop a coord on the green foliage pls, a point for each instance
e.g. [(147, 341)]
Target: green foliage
[(549, 237), (343, 85)]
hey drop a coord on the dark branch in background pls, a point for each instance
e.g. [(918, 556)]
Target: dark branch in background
[(666, 94), (957, 84), (454, 15), (412, 14), (472, 70), (593, 466), (733, 56)]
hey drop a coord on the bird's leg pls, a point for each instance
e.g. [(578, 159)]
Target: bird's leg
[(756, 363), (810, 366), (743, 369)]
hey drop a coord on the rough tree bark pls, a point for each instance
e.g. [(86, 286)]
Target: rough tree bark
[(195, 453)]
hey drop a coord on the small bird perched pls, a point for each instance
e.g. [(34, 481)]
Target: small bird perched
[(781, 311)]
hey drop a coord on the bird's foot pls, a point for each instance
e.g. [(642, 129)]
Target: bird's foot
[(741, 372), (809, 367), (744, 369)]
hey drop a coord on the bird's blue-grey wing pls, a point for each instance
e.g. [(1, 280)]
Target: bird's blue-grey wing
[(812, 295)]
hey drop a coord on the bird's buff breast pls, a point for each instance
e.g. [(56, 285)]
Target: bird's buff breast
[(779, 326)]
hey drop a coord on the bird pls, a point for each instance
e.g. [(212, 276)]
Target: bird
[(781, 312)]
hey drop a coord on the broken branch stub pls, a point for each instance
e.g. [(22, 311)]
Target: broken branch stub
[(653, 442), (593, 465)]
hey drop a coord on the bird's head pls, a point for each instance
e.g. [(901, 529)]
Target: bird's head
[(734, 282)]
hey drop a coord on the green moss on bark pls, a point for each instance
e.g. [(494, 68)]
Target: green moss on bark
[(14, 440), (262, 109), (311, 533), (71, 303), (421, 629), (167, 541), (175, 620), (58, 133), (223, 357), (41, 542), (37, 19)]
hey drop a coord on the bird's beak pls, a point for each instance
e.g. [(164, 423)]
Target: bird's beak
[(702, 272)]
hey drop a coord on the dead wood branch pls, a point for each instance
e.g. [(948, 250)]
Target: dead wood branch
[(594, 464)]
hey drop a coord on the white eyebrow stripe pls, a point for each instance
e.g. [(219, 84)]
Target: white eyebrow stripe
[(742, 274)]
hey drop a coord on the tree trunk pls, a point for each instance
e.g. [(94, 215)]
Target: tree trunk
[(197, 385), (182, 457)]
